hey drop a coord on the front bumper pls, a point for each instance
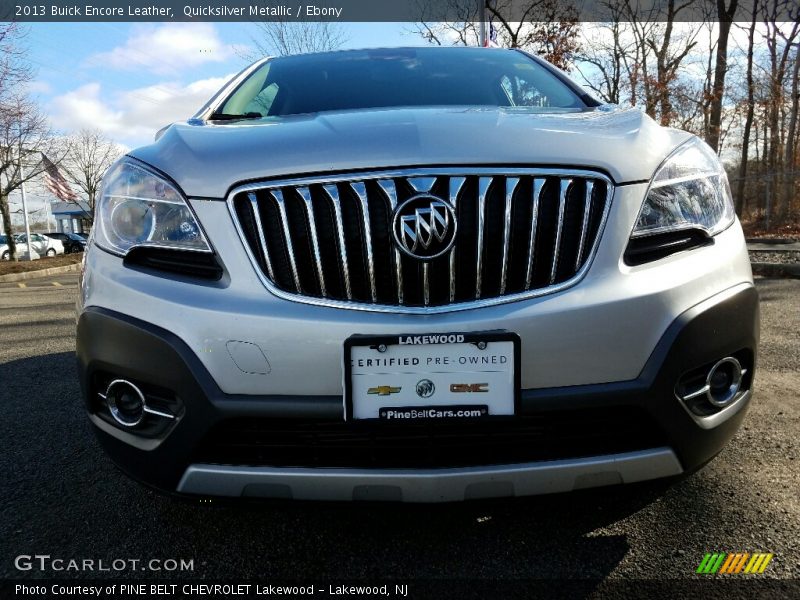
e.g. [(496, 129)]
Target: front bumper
[(112, 343)]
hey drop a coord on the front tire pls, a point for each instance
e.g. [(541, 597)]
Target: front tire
[(6, 255), (51, 252)]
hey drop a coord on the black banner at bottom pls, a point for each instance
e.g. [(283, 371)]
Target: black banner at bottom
[(112, 589)]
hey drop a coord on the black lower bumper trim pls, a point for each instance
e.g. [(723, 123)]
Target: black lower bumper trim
[(109, 342)]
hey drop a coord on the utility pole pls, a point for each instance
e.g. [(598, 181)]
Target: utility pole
[(25, 213)]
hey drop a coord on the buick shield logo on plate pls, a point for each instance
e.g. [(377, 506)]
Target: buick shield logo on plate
[(425, 388), (424, 227)]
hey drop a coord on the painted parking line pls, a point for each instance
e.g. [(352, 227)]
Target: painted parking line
[(56, 283), (22, 285)]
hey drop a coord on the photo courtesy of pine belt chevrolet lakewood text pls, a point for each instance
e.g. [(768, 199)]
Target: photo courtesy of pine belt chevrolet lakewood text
[(419, 275)]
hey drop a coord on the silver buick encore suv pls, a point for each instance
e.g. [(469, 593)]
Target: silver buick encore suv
[(423, 274)]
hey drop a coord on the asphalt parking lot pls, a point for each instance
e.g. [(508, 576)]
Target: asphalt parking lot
[(60, 496)]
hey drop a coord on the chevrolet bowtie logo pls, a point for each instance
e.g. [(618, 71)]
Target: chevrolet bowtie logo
[(383, 390)]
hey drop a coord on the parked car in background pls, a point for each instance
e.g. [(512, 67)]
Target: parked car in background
[(72, 241), (22, 247), (41, 244)]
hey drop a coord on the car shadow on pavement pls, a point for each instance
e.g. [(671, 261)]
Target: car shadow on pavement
[(65, 498)]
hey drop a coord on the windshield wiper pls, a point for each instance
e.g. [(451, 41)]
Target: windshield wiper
[(230, 117)]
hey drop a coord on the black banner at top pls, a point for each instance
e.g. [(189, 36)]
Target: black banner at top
[(382, 10)]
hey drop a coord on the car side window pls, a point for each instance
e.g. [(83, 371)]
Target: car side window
[(263, 100), (521, 92)]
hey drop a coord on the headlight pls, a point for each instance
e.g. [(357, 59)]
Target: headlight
[(690, 190), (137, 207)]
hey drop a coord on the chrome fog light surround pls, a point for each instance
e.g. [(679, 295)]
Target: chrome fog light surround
[(127, 403), (723, 382)]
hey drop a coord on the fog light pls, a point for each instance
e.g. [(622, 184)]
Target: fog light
[(125, 402), (724, 381)]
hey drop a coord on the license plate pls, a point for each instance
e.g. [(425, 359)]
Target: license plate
[(436, 376)]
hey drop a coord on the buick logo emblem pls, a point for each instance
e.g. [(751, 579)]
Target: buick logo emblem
[(424, 227), (425, 388)]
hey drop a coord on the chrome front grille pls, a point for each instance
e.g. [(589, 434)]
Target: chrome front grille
[(328, 240)]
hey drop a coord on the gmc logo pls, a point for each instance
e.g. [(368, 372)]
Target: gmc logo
[(464, 388)]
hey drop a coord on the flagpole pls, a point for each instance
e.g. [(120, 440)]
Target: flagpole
[(25, 213), (482, 23)]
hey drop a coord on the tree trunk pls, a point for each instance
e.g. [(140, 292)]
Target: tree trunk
[(748, 123), (8, 230), (720, 68), (788, 159)]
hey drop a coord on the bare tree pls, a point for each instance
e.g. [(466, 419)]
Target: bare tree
[(548, 28), (24, 136), (88, 156), (14, 69), (779, 43), (24, 131), (789, 156), (670, 50), (725, 15), (603, 62), (461, 31), (748, 123), (282, 38)]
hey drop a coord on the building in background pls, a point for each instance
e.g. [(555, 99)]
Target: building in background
[(71, 217), (53, 205)]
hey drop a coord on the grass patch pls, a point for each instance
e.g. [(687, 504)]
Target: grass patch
[(24, 266)]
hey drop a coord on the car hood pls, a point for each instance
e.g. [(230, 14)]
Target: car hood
[(207, 159)]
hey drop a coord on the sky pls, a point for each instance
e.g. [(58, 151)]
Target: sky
[(129, 80)]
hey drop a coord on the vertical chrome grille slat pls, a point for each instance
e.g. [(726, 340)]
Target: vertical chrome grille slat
[(538, 188), (305, 194), (260, 232), (333, 194), (587, 207), (562, 204), (483, 188), (426, 284), (511, 186), (360, 190), (388, 187), (455, 185), (422, 185), (329, 239), (277, 195)]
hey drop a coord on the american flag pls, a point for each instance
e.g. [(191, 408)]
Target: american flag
[(491, 39), (56, 183)]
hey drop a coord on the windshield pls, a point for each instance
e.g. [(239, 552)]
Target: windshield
[(356, 79)]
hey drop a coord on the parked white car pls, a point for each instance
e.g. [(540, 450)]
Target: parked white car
[(42, 245)]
